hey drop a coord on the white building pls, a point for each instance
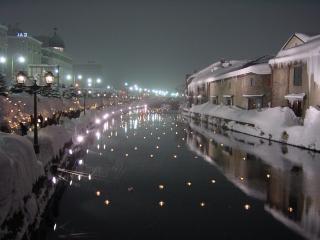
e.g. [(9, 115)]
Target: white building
[(3, 48), (53, 53), (23, 50)]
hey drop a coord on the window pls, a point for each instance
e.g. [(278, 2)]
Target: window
[(228, 100), (215, 100), (297, 76), (251, 82)]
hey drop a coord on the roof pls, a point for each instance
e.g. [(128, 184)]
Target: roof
[(56, 41), (216, 69), (309, 47), (227, 69), (44, 40)]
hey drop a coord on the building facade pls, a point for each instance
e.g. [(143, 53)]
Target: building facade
[(23, 50), (296, 74), (3, 49), (245, 84), (249, 90), (53, 53)]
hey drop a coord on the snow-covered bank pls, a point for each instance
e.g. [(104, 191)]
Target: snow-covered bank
[(277, 124), (27, 182)]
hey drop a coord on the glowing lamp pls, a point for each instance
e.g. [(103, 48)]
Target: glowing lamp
[(21, 78), (49, 77)]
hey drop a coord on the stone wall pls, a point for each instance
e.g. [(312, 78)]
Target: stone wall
[(248, 84)]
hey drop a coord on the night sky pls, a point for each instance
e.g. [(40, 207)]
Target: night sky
[(155, 43)]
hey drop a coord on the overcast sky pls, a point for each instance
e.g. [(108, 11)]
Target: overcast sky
[(155, 43)]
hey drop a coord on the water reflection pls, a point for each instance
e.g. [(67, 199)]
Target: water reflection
[(286, 178)]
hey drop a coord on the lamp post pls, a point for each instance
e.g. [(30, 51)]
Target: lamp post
[(84, 94), (21, 81)]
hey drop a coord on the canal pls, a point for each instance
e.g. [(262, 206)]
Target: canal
[(155, 175)]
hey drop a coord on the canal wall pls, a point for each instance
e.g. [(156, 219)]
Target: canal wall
[(275, 124), (28, 181)]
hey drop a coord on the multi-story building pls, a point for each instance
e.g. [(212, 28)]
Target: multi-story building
[(3, 48), (296, 74), (23, 50), (53, 53), (245, 84)]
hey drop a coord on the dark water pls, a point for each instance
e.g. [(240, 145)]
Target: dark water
[(212, 185)]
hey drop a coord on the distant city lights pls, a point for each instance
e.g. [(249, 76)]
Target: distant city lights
[(157, 92)]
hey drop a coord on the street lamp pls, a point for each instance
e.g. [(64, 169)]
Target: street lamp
[(21, 59), (21, 80), (3, 61)]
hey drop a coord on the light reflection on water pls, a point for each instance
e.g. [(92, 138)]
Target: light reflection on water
[(220, 185), (285, 178)]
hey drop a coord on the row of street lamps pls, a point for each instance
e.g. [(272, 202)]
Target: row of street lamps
[(45, 81)]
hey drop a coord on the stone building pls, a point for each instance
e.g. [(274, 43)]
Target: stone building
[(198, 83), (245, 84), (296, 74)]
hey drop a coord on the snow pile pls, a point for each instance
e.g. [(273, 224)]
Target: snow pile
[(307, 135), (19, 170), (264, 118), (278, 124), (52, 139)]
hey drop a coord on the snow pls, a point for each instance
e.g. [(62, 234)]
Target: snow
[(19, 169), (304, 37), (261, 69), (308, 53), (269, 123), (218, 71), (252, 95), (295, 96), (210, 73)]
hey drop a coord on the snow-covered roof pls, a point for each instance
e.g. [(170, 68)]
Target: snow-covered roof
[(227, 69), (310, 47)]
